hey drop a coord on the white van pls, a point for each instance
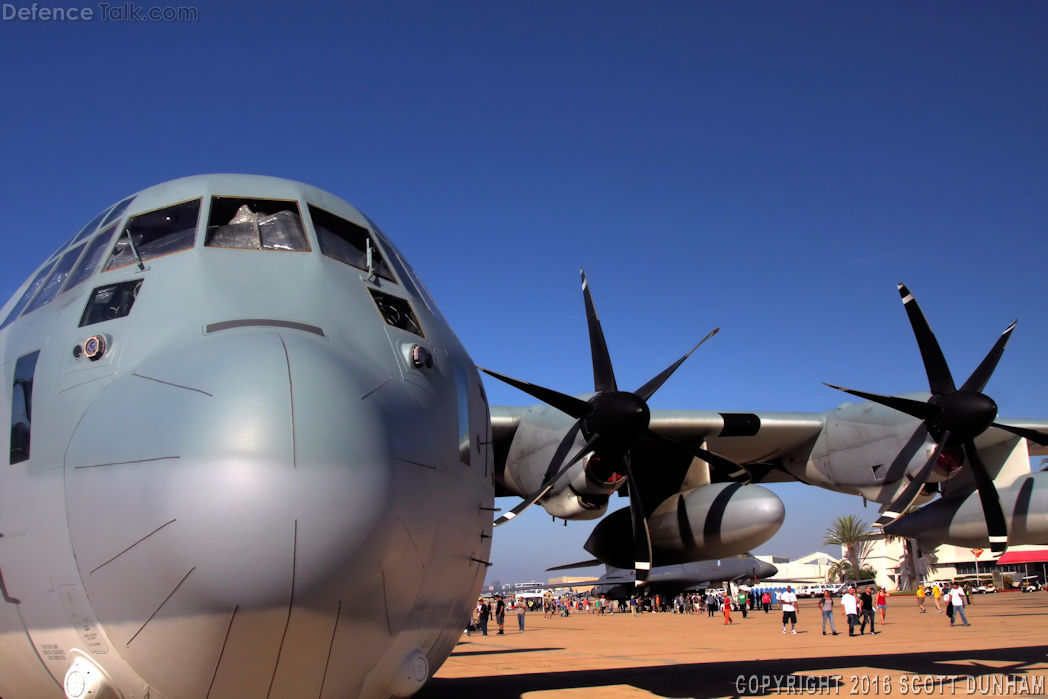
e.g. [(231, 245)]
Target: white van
[(811, 590)]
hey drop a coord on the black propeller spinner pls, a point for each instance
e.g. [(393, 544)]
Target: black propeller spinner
[(954, 418), (612, 421)]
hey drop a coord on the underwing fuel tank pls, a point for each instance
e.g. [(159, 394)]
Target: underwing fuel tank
[(714, 521), (961, 521)]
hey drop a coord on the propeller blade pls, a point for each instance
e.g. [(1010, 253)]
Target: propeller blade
[(906, 498), (647, 390), (913, 408), (603, 374), (580, 564), (541, 492), (1032, 435), (996, 525), (939, 378), (977, 381), (570, 405), (641, 535), (737, 472)]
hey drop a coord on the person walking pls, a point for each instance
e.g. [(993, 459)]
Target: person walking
[(920, 598), (957, 603), (882, 603), (937, 596), (826, 606), (866, 609), (789, 609), (766, 601), (850, 605), (742, 602)]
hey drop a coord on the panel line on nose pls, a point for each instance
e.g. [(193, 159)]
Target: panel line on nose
[(291, 394), (290, 604), (161, 605)]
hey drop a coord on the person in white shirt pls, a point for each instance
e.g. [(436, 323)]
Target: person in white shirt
[(957, 601), (851, 609), (789, 609)]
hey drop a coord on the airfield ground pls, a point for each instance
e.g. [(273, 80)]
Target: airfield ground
[(1004, 652)]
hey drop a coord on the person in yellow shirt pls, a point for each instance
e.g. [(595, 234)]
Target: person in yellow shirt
[(937, 595), (920, 598)]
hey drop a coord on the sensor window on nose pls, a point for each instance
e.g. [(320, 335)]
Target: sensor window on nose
[(396, 312), (110, 301)]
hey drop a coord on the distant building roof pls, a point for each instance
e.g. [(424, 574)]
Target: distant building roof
[(1013, 557)]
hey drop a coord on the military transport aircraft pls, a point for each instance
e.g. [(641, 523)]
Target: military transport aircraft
[(249, 457), (696, 576)]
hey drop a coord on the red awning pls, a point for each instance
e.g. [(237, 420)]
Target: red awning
[(1013, 557)]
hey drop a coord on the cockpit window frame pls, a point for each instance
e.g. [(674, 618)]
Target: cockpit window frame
[(86, 266), (144, 251), (52, 286), (91, 227), (277, 200), (30, 291), (382, 268)]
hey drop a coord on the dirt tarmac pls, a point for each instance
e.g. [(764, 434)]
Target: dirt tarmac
[(1003, 653)]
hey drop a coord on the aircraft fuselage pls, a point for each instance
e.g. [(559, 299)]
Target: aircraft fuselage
[(248, 456)]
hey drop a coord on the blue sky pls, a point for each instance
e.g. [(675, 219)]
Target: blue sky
[(773, 169)]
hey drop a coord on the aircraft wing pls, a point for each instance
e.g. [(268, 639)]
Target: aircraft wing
[(996, 435), (745, 438)]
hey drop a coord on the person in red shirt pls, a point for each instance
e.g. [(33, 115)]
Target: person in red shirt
[(882, 602)]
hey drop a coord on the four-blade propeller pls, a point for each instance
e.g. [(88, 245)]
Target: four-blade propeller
[(954, 418), (611, 422)]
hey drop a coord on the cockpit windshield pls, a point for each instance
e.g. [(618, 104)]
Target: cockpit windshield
[(156, 233), (347, 242), (256, 224)]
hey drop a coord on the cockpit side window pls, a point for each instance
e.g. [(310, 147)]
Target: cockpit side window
[(347, 242), (117, 211), (30, 291), (90, 227), (155, 233), (256, 224), (54, 281), (92, 256), (22, 406)]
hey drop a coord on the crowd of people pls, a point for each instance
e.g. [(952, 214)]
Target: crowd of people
[(860, 608)]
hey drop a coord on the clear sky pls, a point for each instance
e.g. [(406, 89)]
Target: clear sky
[(773, 169)]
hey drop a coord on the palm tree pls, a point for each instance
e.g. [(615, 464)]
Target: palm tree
[(852, 534)]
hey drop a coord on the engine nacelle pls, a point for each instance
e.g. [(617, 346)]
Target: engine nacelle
[(569, 505), (714, 521), (580, 494), (598, 476)]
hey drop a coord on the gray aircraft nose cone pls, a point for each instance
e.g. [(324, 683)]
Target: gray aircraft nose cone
[(217, 487)]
